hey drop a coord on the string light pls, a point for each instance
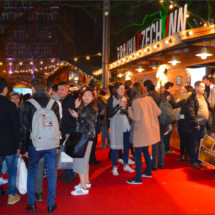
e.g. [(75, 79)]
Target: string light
[(10, 63), (41, 62), (0, 63), (171, 6), (20, 63), (75, 59), (88, 57), (31, 63)]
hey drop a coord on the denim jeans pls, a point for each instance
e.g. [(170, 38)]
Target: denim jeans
[(158, 148), (33, 161), (40, 176), (11, 162), (196, 136), (126, 150), (105, 134), (138, 161)]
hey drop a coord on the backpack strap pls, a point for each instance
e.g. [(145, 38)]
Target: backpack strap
[(35, 103), (50, 104)]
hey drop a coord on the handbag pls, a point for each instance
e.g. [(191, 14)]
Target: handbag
[(63, 160), (76, 145), (21, 180)]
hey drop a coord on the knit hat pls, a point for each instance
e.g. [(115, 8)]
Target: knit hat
[(103, 92), (92, 84)]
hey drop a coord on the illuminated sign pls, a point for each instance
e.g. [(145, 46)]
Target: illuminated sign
[(176, 22)]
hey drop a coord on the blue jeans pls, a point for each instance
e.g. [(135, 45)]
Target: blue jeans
[(33, 161), (126, 150), (138, 161), (105, 134), (11, 162), (196, 136)]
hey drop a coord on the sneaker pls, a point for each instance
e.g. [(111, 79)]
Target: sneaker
[(101, 147), (79, 186), (13, 199), (128, 168), (161, 166), (202, 166), (134, 181), (3, 181), (154, 168), (121, 161), (115, 172), (195, 166), (79, 192), (131, 162), (145, 175)]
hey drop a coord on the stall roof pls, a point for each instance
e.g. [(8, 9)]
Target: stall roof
[(86, 70), (178, 44)]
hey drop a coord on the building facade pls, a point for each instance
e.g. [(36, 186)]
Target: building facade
[(35, 44)]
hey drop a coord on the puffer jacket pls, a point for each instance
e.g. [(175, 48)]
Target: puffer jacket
[(27, 114)]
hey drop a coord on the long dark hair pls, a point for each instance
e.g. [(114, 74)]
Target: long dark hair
[(93, 103), (149, 84), (116, 87)]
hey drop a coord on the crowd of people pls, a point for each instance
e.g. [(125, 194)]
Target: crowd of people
[(127, 114)]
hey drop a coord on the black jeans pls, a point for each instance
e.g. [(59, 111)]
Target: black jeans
[(138, 161), (158, 148), (184, 138), (166, 140), (196, 136)]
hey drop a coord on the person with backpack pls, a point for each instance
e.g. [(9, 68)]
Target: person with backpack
[(145, 113), (168, 96), (40, 169), (157, 148), (40, 137)]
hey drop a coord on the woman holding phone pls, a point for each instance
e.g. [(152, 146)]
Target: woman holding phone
[(86, 114), (119, 126)]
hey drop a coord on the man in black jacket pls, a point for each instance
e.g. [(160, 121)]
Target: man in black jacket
[(68, 124), (168, 96), (28, 150), (197, 112), (9, 140)]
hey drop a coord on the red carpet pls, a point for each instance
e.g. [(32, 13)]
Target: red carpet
[(177, 189)]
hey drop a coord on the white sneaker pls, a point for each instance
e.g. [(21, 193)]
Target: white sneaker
[(79, 186), (121, 161), (79, 192), (115, 172), (131, 162), (128, 168), (3, 181)]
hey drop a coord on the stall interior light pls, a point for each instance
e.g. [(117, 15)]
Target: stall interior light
[(120, 75), (154, 65), (174, 61), (189, 33), (204, 54), (139, 69)]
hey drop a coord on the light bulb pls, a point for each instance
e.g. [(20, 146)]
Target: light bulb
[(171, 6), (154, 67), (166, 41), (174, 63), (204, 56)]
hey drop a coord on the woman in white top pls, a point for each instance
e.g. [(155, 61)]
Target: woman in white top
[(119, 125)]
